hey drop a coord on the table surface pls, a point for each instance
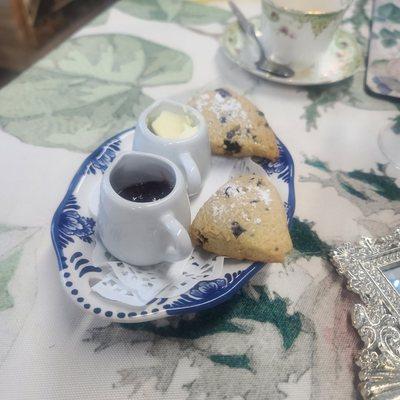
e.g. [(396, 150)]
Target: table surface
[(287, 334)]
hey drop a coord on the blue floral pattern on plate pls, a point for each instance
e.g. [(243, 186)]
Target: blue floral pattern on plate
[(72, 221), (104, 156), (72, 224), (281, 167)]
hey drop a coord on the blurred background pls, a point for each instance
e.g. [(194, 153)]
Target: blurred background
[(31, 28)]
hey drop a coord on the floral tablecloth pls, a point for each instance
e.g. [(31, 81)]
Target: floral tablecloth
[(287, 335)]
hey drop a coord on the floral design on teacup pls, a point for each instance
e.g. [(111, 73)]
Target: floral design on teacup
[(299, 37), (285, 31), (318, 22), (273, 16)]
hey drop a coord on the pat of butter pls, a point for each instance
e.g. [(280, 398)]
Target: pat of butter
[(173, 126)]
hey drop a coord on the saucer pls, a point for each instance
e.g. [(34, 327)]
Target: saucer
[(73, 232), (341, 60)]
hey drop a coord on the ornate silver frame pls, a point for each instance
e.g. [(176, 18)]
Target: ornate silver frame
[(377, 320)]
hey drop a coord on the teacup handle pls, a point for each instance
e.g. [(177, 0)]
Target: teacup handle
[(182, 247), (193, 177)]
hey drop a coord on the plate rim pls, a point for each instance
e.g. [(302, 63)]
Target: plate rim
[(224, 294), (284, 81)]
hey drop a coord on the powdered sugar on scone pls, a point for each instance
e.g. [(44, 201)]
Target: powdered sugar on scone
[(226, 108), (236, 127), (244, 219), (247, 195)]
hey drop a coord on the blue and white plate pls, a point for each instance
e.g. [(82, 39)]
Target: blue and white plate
[(74, 239)]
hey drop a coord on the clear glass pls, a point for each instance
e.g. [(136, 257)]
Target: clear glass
[(389, 143)]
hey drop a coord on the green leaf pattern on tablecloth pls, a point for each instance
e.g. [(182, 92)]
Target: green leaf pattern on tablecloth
[(183, 12), (323, 98), (88, 89), (316, 163), (354, 192), (389, 38), (383, 185), (7, 268), (370, 191), (306, 240), (396, 125), (12, 240), (359, 21), (390, 12), (231, 361), (351, 92), (221, 319), (227, 318)]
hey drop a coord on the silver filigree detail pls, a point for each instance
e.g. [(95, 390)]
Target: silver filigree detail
[(377, 320)]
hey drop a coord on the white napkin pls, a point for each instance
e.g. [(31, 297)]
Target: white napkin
[(137, 286)]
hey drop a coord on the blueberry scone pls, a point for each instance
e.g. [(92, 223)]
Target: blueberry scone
[(235, 126), (244, 219)]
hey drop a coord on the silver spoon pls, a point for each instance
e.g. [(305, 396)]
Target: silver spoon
[(263, 63)]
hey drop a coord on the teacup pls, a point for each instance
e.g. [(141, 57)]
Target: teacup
[(147, 232), (191, 154), (298, 32)]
